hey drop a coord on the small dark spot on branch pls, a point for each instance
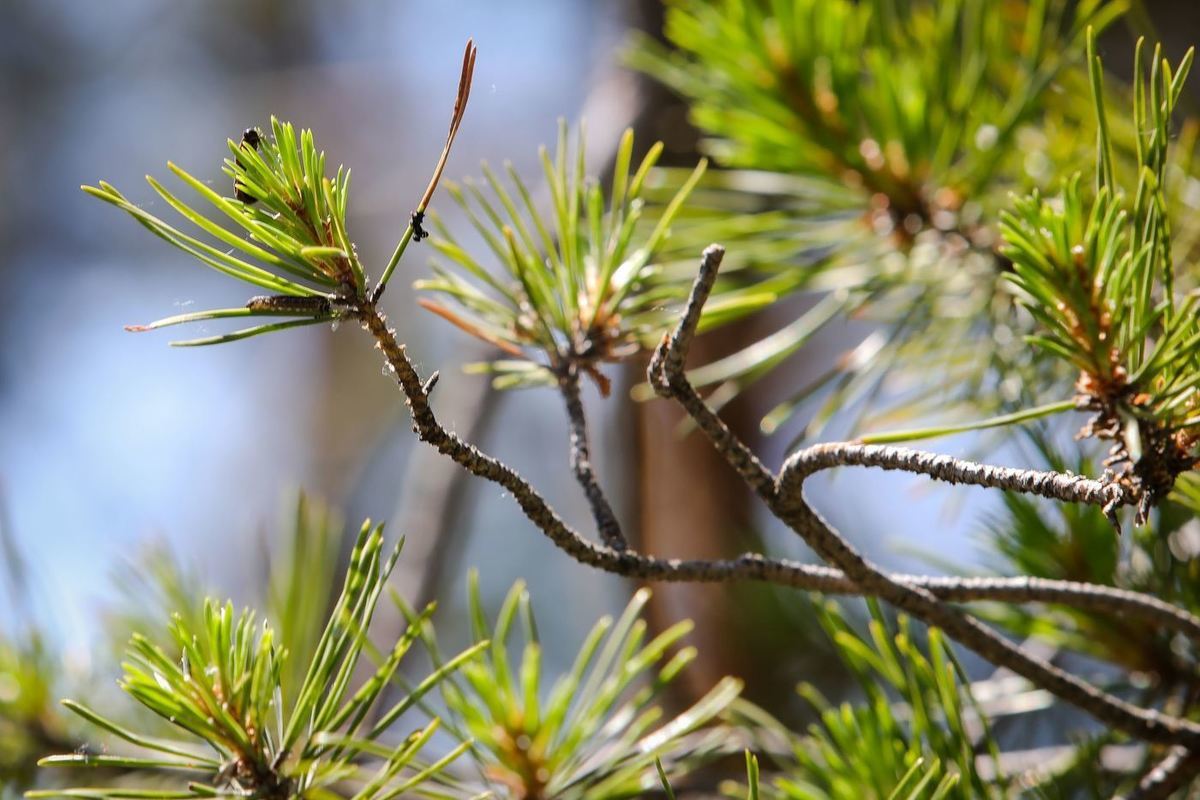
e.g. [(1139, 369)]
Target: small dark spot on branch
[(416, 220)]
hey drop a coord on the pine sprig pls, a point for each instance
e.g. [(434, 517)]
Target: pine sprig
[(866, 149), (595, 732), (283, 229), (579, 285), (915, 734), (292, 239), (1098, 277), (900, 105), (221, 685)]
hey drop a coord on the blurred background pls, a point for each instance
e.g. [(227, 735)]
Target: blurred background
[(108, 440), (111, 442)]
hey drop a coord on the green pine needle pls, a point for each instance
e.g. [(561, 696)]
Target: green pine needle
[(222, 682), (868, 152), (595, 732), (579, 284)]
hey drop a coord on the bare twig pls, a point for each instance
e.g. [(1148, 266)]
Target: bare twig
[(1167, 776), (431, 509), (581, 462), (751, 566), (1082, 596), (1146, 724), (666, 374), (808, 577)]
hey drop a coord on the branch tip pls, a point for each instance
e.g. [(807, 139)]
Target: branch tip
[(414, 230)]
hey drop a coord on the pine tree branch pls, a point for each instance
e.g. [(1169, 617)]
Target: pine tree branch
[(581, 462), (781, 572), (1081, 596), (752, 566), (856, 574), (787, 502), (1146, 724), (1167, 776), (666, 374)]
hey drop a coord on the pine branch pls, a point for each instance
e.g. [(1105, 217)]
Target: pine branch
[(593, 732), (750, 566), (788, 504), (829, 544), (243, 729), (592, 300), (868, 579)]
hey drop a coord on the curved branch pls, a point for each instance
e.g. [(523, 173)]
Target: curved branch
[(782, 572), (752, 566), (1081, 596), (666, 374), (1146, 724), (1054, 485)]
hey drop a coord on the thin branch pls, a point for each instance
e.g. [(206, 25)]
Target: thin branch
[(1082, 596), (1054, 485), (1146, 724), (430, 507), (581, 462), (1167, 776), (752, 567), (666, 374), (788, 504)]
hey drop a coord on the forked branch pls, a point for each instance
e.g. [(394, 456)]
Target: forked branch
[(751, 566), (786, 501), (926, 598)]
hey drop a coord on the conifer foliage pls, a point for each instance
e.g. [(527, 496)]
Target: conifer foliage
[(964, 176)]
